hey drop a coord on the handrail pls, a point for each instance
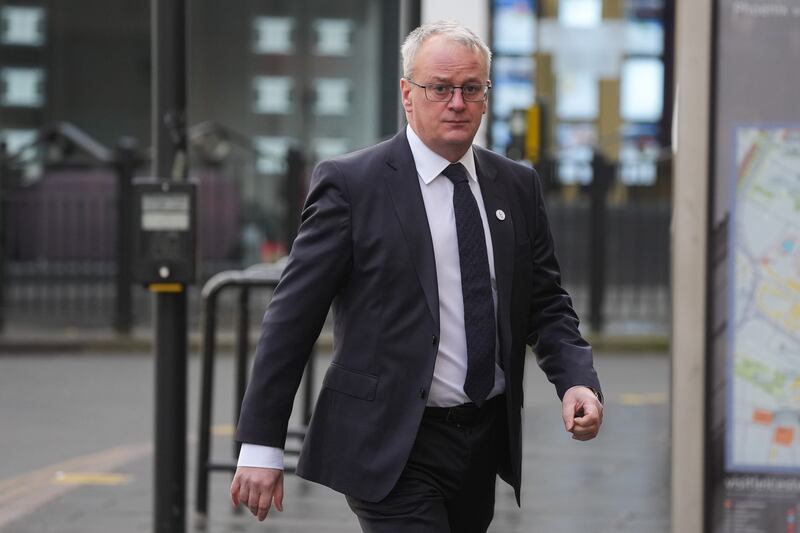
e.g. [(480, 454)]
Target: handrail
[(266, 273), (72, 133), (258, 276)]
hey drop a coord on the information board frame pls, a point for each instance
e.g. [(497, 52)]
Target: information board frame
[(751, 484)]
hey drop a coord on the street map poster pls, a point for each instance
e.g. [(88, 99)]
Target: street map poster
[(764, 418), (753, 393)]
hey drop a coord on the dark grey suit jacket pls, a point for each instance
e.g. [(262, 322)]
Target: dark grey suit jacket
[(365, 247)]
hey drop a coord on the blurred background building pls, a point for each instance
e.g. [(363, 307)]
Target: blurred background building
[(582, 90)]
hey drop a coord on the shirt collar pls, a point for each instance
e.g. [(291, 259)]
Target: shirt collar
[(430, 164)]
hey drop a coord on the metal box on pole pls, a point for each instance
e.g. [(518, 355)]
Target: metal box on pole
[(165, 238)]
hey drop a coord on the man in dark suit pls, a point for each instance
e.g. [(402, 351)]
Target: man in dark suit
[(438, 259)]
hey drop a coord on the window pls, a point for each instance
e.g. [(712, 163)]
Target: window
[(334, 37), (577, 96), (514, 43), (273, 35), (642, 89), (514, 27), (22, 87), (513, 88), (272, 153), (16, 139), (580, 13), (327, 147), (332, 96), (22, 26), (644, 37), (273, 94)]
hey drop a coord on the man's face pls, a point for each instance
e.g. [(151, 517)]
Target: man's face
[(447, 128)]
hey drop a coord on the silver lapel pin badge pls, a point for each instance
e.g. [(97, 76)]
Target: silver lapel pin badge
[(500, 214)]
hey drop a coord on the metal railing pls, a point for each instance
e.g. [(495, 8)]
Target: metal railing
[(66, 228), (60, 251), (612, 242), (68, 266), (259, 276)]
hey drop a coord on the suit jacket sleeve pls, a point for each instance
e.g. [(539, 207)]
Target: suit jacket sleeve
[(560, 349), (318, 265)]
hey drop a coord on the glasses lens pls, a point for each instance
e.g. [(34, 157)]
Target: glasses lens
[(473, 92), (439, 92)]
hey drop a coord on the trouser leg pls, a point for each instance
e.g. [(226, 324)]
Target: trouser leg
[(471, 508), (417, 501), (447, 486), (413, 506)]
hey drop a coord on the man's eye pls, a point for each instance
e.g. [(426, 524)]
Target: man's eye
[(472, 89), (439, 88)]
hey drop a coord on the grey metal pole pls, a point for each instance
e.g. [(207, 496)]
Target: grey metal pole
[(169, 163), (125, 167), (207, 394), (242, 358), (295, 182), (2, 234), (170, 430), (601, 179), (390, 117), (410, 17)]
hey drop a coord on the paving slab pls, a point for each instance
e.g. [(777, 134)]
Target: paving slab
[(69, 413)]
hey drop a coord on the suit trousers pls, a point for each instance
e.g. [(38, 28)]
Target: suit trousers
[(448, 483)]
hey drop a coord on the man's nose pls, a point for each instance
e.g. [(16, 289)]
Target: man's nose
[(457, 101)]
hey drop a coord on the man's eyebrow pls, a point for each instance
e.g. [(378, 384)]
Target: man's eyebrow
[(441, 79)]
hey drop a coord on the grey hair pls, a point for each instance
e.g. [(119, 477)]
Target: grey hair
[(452, 31)]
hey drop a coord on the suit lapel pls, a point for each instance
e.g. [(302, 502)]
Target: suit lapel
[(403, 186), (495, 200)]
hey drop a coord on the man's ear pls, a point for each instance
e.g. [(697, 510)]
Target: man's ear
[(405, 92)]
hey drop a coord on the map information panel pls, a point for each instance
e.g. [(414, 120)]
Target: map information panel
[(764, 399)]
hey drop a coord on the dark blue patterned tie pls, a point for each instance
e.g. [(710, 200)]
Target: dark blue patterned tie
[(479, 319)]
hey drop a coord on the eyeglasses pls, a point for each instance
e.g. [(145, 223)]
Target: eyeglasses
[(443, 92)]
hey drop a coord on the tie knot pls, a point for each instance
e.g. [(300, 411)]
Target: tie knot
[(456, 173)]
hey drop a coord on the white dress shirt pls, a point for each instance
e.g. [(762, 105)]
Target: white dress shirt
[(450, 370)]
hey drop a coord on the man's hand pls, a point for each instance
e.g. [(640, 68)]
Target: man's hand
[(582, 413), (258, 488)]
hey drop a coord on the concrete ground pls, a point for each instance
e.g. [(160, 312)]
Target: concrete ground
[(76, 455)]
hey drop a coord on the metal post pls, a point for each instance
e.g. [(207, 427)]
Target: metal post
[(601, 170), (665, 126), (207, 390), (242, 350), (170, 430), (125, 166), (294, 184), (2, 234), (390, 69), (169, 163), (410, 16)]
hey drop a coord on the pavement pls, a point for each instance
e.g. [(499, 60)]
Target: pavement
[(16, 339), (76, 448)]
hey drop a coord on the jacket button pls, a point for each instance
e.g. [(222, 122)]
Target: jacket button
[(434, 340)]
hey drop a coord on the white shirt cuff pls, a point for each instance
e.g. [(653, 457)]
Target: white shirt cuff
[(260, 456)]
